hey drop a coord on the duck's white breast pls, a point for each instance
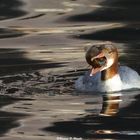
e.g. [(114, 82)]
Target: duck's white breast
[(112, 84)]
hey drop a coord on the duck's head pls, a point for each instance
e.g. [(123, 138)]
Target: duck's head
[(101, 57)]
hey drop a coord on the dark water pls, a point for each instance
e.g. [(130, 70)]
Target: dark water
[(8, 120), (42, 47)]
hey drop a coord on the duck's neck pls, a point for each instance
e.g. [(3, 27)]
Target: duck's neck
[(111, 103), (110, 72)]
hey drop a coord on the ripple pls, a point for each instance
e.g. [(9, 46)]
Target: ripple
[(121, 10), (10, 33), (66, 29), (34, 16), (53, 10), (118, 34), (8, 120)]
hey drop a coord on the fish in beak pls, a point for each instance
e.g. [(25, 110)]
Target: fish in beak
[(98, 64)]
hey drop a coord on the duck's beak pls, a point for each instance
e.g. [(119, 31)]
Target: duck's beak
[(95, 70)]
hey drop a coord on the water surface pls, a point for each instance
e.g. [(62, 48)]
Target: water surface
[(42, 49)]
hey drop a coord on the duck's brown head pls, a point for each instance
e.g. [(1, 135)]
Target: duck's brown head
[(102, 57)]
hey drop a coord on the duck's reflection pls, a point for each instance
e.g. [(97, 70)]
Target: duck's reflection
[(122, 123), (110, 106)]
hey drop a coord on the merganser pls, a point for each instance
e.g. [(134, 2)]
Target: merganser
[(106, 75)]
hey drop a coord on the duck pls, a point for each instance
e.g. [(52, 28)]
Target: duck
[(106, 74)]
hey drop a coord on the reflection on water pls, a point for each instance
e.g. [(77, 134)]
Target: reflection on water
[(42, 50), (7, 33), (120, 34), (117, 10), (8, 120), (13, 61), (110, 105), (125, 125), (11, 9)]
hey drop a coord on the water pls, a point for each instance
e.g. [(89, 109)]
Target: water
[(42, 48)]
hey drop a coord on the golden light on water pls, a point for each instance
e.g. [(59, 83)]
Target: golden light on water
[(65, 29)]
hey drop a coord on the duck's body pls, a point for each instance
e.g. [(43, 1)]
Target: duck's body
[(126, 78), (106, 75)]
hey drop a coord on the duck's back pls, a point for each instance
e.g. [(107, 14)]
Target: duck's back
[(87, 83), (129, 77)]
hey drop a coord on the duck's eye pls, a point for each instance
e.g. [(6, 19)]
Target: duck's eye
[(98, 62)]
